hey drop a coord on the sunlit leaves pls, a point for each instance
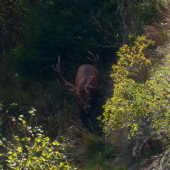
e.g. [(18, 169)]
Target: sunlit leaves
[(32, 111), (35, 152), (132, 61), (19, 149), (137, 100), (56, 143)]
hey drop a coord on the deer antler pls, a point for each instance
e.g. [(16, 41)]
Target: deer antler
[(87, 85), (57, 69), (96, 58)]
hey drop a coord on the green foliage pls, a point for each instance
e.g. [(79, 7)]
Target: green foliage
[(9, 24), (132, 62), (147, 11), (139, 14), (56, 28), (99, 153), (138, 103), (34, 150)]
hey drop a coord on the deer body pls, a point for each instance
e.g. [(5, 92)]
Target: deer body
[(83, 74), (87, 83), (86, 98)]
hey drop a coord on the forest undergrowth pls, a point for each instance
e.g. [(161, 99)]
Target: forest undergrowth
[(39, 131)]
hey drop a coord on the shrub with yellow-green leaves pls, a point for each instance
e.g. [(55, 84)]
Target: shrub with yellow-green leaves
[(133, 62), (34, 150), (138, 103)]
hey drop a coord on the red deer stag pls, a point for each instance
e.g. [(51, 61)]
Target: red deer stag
[(86, 87)]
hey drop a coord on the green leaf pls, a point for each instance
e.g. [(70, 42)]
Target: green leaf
[(56, 143), (61, 164)]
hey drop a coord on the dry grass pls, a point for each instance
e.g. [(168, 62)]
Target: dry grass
[(90, 150), (79, 137), (159, 29), (165, 161), (120, 141), (159, 32), (153, 32)]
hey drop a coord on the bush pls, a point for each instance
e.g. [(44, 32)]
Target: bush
[(138, 103), (34, 150)]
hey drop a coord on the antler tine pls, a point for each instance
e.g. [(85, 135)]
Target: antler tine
[(91, 87), (72, 91), (93, 56), (96, 58), (58, 65), (92, 77), (90, 59), (53, 67), (90, 53), (57, 69)]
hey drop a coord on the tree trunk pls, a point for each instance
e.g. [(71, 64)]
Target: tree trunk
[(121, 8)]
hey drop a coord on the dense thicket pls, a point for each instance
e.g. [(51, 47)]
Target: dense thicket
[(37, 32), (53, 28)]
